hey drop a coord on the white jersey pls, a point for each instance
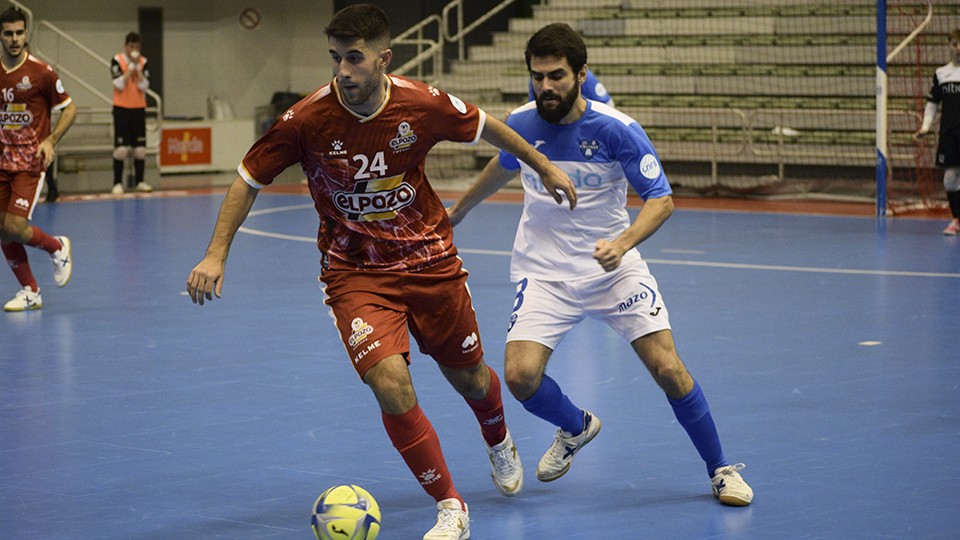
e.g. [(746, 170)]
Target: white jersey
[(601, 152)]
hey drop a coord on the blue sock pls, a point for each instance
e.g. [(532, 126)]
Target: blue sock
[(551, 404), (693, 413)]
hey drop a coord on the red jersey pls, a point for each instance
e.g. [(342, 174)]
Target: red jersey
[(366, 174), (30, 91)]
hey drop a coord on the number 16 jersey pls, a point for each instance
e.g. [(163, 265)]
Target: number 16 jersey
[(366, 173)]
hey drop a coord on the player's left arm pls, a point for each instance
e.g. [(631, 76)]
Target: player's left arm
[(47, 148), (654, 213)]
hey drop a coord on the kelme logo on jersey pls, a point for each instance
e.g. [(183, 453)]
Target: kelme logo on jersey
[(337, 149), (24, 84), (589, 148), (650, 167), (15, 116), (374, 200), (404, 139)]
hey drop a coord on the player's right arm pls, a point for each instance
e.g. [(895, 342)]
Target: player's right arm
[(492, 178), (206, 278)]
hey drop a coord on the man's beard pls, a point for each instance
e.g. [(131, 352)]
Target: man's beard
[(555, 114)]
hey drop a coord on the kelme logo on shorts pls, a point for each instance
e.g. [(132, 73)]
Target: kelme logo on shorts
[(374, 200)]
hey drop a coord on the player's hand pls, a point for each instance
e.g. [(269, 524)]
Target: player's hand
[(920, 134), (47, 152), (556, 181), (607, 254), (205, 281)]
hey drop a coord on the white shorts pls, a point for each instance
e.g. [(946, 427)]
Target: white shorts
[(626, 299)]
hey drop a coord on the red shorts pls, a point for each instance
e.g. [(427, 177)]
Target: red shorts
[(374, 310), (19, 192)]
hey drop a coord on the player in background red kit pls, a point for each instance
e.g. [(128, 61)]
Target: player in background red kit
[(30, 89), (361, 142)]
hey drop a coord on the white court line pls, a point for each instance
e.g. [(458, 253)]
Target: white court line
[(770, 267)]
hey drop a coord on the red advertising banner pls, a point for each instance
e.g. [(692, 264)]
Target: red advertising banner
[(185, 147)]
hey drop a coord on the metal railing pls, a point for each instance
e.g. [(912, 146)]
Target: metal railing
[(427, 49), (431, 50), (461, 34)]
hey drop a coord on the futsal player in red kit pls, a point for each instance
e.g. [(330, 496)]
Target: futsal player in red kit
[(388, 263), (30, 89)]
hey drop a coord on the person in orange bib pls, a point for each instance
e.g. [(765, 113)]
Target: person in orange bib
[(130, 82)]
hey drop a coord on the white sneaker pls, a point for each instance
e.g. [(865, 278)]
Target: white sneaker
[(117, 189), (729, 487), (452, 522), (144, 187), (62, 262), (556, 462), (507, 471), (24, 300)]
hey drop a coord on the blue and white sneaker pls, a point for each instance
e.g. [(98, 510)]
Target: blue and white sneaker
[(556, 462), (729, 487)]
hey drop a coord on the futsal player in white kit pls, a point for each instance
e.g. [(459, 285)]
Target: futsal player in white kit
[(573, 264)]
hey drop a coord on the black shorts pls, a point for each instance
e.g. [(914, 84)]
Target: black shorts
[(948, 150), (129, 127)]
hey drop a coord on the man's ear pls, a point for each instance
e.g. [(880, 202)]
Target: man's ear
[(384, 58)]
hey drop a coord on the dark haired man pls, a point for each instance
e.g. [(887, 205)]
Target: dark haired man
[(570, 266), (30, 90), (388, 265)]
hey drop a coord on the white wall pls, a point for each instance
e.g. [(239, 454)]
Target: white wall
[(206, 51)]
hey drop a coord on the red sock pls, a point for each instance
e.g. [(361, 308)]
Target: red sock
[(489, 412), (43, 241), (413, 436), (17, 259)]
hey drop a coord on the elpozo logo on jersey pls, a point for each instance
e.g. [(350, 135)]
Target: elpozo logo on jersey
[(15, 116), (404, 139), (374, 200)]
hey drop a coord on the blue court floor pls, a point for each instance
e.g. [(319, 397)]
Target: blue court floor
[(828, 348)]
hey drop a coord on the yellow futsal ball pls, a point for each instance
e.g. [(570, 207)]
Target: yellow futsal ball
[(346, 512)]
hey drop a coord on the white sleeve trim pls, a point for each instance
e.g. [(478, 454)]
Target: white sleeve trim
[(248, 178)]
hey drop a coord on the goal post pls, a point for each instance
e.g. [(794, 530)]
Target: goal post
[(882, 91)]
